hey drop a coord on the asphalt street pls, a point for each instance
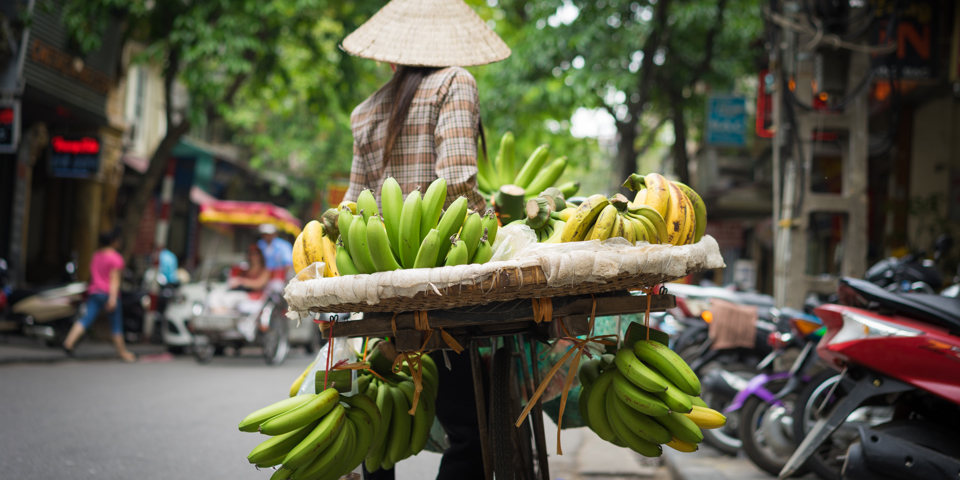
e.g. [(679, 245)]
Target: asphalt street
[(149, 420)]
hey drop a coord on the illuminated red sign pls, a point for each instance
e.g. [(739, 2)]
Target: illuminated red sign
[(83, 146), (6, 116)]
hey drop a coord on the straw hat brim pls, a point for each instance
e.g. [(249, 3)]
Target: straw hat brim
[(427, 33)]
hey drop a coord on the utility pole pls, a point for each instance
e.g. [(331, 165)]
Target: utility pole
[(821, 90)]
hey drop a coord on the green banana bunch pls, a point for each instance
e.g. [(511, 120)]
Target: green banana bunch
[(323, 445), (534, 175), (643, 398)]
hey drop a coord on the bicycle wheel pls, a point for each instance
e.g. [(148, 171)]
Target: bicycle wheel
[(276, 344)]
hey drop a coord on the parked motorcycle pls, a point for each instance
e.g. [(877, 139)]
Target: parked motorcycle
[(895, 351), (767, 403), (44, 313)]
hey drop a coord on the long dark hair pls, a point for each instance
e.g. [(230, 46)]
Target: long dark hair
[(403, 87)]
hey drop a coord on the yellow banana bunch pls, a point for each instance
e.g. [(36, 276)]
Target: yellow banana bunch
[(676, 211), (643, 398)]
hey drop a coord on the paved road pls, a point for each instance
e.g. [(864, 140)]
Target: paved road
[(167, 420)]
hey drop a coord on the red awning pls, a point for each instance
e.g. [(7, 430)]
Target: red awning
[(226, 212)]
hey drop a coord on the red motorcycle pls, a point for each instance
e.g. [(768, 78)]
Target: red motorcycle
[(899, 353)]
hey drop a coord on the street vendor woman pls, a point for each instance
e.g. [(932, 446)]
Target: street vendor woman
[(422, 125)]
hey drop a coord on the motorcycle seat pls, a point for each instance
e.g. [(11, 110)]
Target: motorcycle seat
[(933, 309)]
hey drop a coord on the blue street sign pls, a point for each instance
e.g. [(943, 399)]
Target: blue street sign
[(726, 121)]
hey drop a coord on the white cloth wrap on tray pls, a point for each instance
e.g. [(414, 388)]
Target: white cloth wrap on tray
[(563, 264)]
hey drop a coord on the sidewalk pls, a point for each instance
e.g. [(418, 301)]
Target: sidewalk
[(16, 349), (587, 457), (709, 464)]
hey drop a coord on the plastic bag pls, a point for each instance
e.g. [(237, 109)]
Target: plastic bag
[(511, 240), (311, 272), (343, 352)]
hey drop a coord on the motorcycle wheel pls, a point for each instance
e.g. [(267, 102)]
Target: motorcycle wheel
[(276, 344), (758, 419), (725, 439), (203, 350), (827, 461)]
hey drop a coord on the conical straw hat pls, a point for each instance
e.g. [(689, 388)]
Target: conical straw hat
[(427, 33)]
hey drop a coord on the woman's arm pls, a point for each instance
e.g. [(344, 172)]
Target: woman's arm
[(456, 137), (114, 289), (257, 282)]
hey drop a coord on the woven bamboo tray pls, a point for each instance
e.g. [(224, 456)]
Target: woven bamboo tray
[(506, 284)]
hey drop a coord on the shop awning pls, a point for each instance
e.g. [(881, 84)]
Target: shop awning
[(226, 212)]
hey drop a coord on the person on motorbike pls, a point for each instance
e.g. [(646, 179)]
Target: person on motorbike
[(422, 125), (106, 267), (257, 274), (277, 252)]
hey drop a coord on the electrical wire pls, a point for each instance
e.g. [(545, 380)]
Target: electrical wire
[(827, 38)]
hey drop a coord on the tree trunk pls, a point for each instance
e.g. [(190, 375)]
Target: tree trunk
[(141, 197), (681, 163), (626, 152)]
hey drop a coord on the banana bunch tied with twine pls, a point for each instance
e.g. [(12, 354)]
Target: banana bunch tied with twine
[(314, 436), (405, 430), (645, 397), (411, 232)]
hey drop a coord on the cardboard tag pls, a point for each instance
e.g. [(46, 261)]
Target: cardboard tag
[(342, 380)]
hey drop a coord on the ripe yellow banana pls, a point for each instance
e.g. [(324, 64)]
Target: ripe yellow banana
[(654, 219), (565, 214), (391, 201), (367, 204), (658, 192), (433, 200), (295, 387), (576, 227), (681, 446), (639, 198), (330, 257), (299, 257), (312, 232), (629, 232), (352, 206), (699, 210), (706, 418), (689, 219), (676, 216), (606, 224)]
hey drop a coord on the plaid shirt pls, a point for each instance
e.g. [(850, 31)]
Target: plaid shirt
[(438, 139)]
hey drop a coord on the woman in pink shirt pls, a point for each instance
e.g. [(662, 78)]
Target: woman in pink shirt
[(104, 290)]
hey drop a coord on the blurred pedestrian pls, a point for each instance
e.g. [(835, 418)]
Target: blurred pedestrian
[(422, 125), (106, 267), (277, 252)]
